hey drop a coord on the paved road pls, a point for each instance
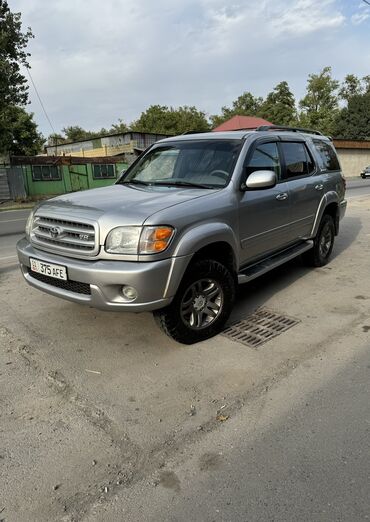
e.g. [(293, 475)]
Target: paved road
[(358, 187), (103, 418), (13, 221)]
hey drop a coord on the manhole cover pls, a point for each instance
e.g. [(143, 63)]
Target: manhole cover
[(259, 327)]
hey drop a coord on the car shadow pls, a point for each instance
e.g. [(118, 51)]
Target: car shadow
[(253, 295)]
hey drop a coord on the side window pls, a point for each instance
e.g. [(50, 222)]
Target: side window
[(45, 173), (265, 157), (298, 161), (327, 155), (103, 171)]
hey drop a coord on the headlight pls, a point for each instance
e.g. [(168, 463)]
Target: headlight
[(138, 240), (29, 224), (123, 240)]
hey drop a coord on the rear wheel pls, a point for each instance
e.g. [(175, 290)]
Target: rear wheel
[(319, 255), (202, 303)]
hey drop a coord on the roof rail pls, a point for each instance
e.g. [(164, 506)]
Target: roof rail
[(193, 132), (283, 127)]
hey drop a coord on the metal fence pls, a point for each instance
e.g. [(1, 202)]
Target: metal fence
[(11, 183), (4, 186)]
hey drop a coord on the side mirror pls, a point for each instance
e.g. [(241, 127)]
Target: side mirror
[(261, 179)]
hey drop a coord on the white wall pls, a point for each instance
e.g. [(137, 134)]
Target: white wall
[(353, 161)]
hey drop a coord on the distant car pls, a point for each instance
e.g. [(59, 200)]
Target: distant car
[(365, 173)]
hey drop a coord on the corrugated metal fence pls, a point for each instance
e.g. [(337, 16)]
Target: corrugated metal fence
[(11, 183), (4, 186)]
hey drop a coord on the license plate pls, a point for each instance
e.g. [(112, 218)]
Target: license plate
[(49, 269)]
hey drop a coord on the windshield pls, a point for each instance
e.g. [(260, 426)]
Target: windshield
[(203, 164)]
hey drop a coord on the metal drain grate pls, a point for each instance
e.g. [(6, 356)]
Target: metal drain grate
[(259, 327)]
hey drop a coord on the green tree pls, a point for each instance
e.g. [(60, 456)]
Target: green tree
[(353, 121), (320, 104), (16, 125), (13, 55), (160, 119), (351, 86), (75, 133), (279, 106), (18, 133), (119, 127), (245, 105)]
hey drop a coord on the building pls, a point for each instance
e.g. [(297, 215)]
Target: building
[(128, 143), (53, 175), (241, 123), (354, 155)]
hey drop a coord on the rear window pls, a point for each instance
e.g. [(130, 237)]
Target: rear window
[(328, 157), (298, 162)]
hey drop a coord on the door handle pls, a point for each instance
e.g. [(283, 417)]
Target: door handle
[(320, 186), (282, 196)]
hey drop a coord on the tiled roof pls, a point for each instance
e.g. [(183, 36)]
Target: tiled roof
[(241, 122)]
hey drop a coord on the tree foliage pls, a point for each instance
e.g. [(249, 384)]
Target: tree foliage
[(18, 131), (320, 104), (279, 106), (160, 119), (245, 105), (353, 121)]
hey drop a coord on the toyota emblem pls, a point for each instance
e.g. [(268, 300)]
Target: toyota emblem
[(55, 232)]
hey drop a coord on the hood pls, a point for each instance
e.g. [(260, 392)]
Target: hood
[(125, 204)]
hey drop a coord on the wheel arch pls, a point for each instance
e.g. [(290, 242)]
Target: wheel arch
[(211, 241), (329, 204)]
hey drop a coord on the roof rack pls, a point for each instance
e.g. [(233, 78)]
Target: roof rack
[(283, 127), (193, 132)]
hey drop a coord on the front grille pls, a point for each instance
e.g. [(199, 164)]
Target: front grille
[(71, 286), (64, 236)]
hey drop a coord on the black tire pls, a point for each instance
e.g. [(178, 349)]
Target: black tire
[(320, 254), (205, 298)]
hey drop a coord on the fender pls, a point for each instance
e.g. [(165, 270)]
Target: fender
[(190, 242), (329, 197)]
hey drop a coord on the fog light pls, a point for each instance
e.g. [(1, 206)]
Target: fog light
[(129, 292)]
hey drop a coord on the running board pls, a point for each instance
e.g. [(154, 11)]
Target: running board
[(272, 262)]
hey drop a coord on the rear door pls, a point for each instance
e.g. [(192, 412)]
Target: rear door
[(264, 214), (304, 184)]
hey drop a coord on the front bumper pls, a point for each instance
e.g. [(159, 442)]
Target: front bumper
[(342, 208), (156, 282)]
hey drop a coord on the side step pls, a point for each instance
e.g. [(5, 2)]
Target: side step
[(272, 262)]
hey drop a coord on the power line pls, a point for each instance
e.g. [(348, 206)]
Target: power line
[(39, 97), (366, 2)]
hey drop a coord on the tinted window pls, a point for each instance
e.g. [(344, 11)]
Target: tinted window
[(298, 161), (265, 157), (329, 160)]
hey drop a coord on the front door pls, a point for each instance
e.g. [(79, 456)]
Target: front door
[(264, 214)]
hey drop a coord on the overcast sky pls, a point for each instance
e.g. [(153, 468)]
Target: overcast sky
[(94, 61)]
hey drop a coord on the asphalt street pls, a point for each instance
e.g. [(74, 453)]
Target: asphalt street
[(105, 419)]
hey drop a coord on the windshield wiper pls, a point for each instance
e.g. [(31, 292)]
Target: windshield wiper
[(182, 184), (135, 182)]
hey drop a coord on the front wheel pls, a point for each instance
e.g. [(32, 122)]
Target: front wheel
[(319, 255), (201, 305)]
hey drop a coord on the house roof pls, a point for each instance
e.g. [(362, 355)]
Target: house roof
[(241, 122)]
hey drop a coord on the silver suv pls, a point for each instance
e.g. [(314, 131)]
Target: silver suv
[(194, 216)]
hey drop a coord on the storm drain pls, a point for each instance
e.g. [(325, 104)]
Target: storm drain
[(259, 327)]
